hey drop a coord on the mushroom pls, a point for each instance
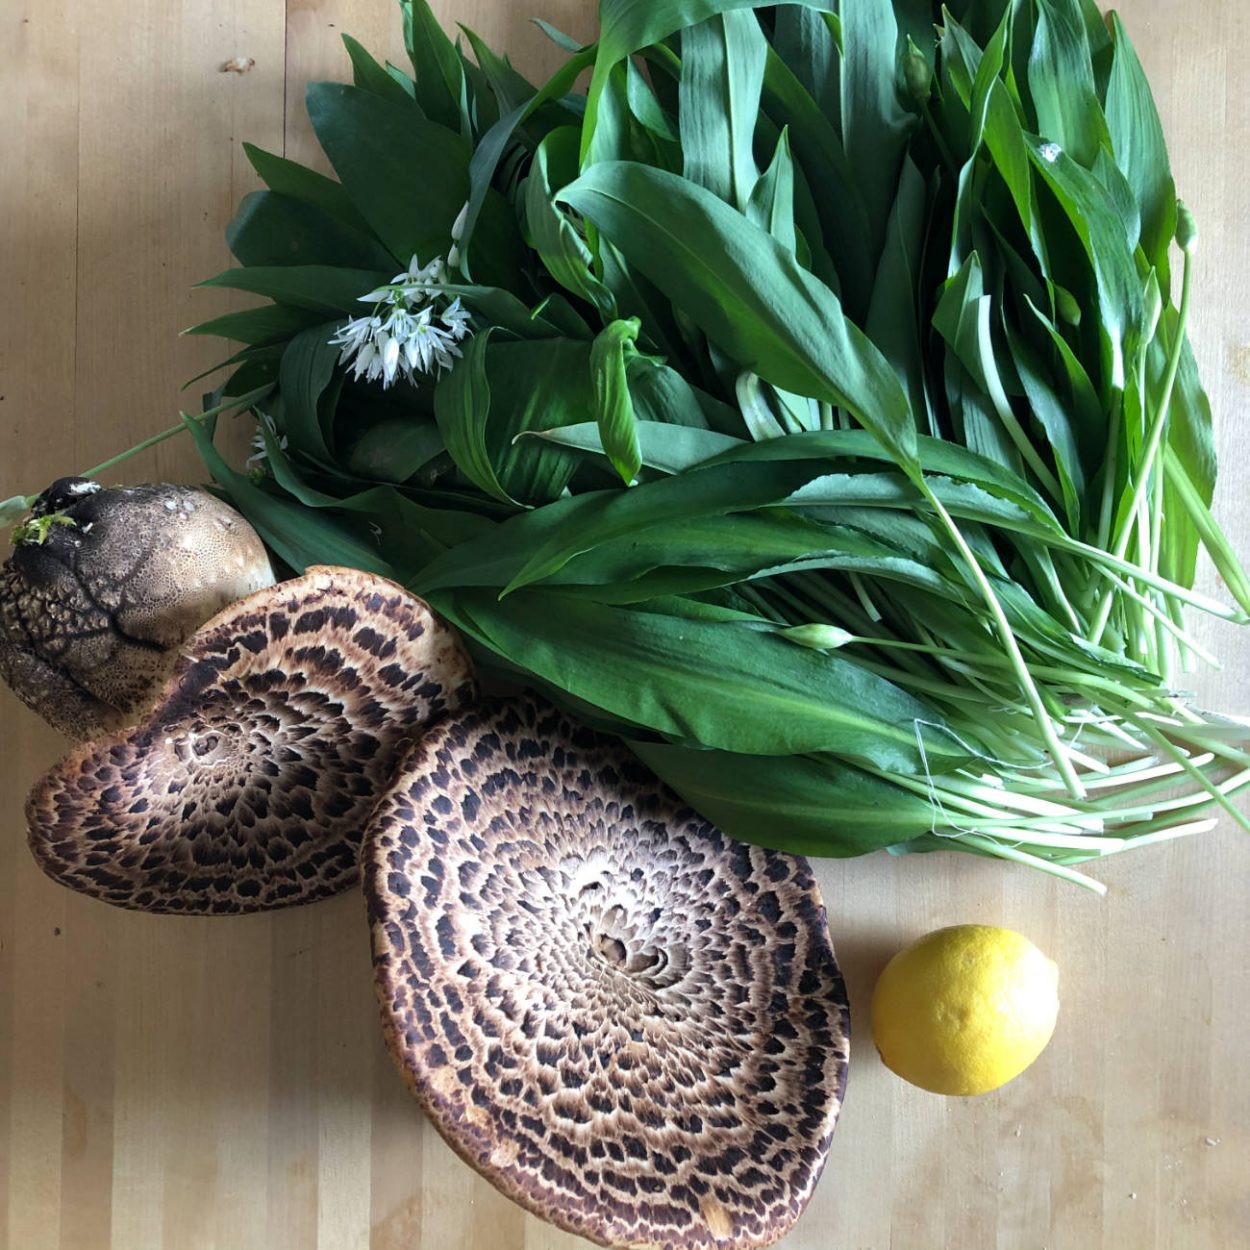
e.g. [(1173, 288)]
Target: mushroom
[(631, 1025), (104, 585), (249, 782)]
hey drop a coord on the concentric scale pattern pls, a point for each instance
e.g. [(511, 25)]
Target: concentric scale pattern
[(630, 1024), (248, 785)]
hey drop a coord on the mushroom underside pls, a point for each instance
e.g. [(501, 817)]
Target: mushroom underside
[(248, 785), (630, 1024)]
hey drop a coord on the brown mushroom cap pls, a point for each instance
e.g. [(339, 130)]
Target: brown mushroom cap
[(248, 785), (91, 617), (628, 1023)]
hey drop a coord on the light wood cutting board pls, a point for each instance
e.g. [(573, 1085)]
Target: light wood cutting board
[(196, 1085)]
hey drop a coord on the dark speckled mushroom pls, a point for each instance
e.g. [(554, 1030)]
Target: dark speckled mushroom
[(248, 784), (106, 585), (629, 1024)]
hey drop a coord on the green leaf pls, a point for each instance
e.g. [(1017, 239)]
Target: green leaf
[(462, 403), (511, 88), (505, 311), (1049, 410), (609, 355), (370, 76), (628, 26), (747, 292), (874, 124), (771, 204), (408, 177), (259, 325), (839, 218), (300, 183), (804, 42), (1004, 137), (439, 78), (1140, 151), (561, 248), (892, 314), (722, 75), (394, 449), (936, 456), (304, 376), (668, 448), (662, 395), (805, 805), (645, 107), (536, 386), (324, 288), (565, 42), (1061, 80), (273, 229), (1092, 213), (692, 679), (492, 145)]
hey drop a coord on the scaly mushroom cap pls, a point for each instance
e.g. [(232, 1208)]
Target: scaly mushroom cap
[(91, 616), (249, 783), (628, 1023)]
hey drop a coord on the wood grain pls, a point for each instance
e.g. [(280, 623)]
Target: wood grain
[(176, 1084)]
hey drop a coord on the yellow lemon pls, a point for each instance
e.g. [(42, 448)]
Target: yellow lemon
[(965, 1009)]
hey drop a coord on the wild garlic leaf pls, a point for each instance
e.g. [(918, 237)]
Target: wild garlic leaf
[(407, 177), (437, 72), (805, 805), (692, 679), (325, 288), (304, 378), (273, 229), (771, 202), (462, 402), (370, 76), (301, 183), (875, 125), (1061, 79), (747, 291), (614, 406), (1093, 215), (563, 251), (722, 75), (627, 26), (259, 325), (1140, 150)]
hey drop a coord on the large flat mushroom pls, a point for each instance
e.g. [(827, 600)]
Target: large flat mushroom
[(248, 784), (628, 1023)]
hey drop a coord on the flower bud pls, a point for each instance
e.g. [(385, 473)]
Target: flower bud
[(917, 73), (1186, 229)]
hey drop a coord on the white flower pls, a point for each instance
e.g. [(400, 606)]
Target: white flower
[(411, 331), (260, 450)]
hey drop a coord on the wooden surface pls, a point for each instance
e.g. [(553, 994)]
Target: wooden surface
[(180, 1084)]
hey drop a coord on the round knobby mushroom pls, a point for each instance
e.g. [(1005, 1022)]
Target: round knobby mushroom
[(630, 1024), (103, 586), (248, 784)]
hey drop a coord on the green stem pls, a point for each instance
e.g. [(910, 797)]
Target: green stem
[(1111, 470), (1154, 439), (243, 401), (1021, 670)]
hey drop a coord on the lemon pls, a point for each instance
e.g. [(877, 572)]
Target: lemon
[(965, 1009)]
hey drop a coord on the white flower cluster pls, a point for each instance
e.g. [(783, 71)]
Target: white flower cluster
[(412, 330)]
